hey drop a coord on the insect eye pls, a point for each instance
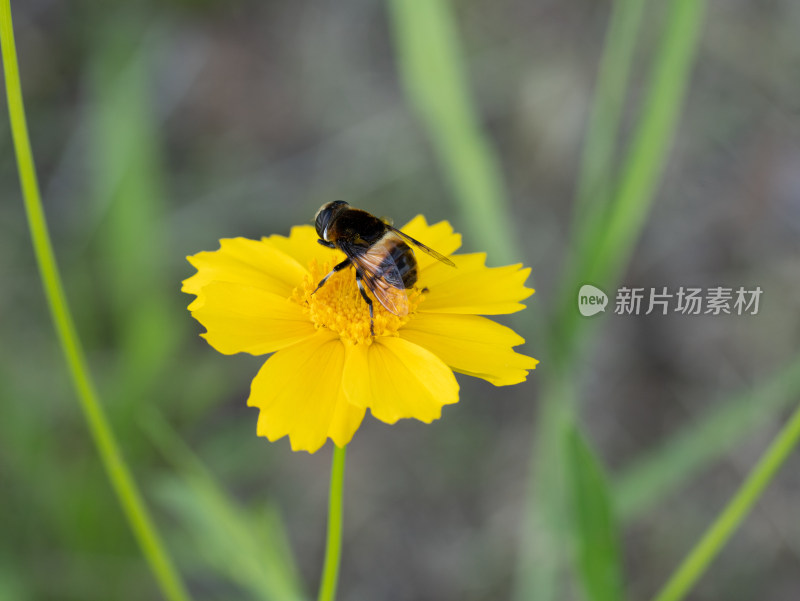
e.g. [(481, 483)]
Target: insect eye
[(323, 219), (325, 215)]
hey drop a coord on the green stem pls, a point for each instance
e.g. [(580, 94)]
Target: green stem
[(704, 552), (333, 547), (597, 159), (607, 237), (647, 155), (116, 468)]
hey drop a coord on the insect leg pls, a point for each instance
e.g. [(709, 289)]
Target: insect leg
[(326, 243), (367, 300), (338, 267)]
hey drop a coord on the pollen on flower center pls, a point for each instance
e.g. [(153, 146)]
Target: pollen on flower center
[(338, 305)]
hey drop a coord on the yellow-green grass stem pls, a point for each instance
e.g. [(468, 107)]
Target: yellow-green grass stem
[(333, 546), (715, 538), (116, 468)]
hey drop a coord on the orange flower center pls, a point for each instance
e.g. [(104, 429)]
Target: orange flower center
[(338, 305)]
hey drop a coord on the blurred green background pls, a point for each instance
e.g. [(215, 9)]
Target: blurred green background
[(159, 128)]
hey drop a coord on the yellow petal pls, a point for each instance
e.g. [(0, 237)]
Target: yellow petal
[(471, 345), (473, 288), (256, 263), (302, 245), (439, 236), (397, 379), (243, 319), (346, 419), (299, 393)]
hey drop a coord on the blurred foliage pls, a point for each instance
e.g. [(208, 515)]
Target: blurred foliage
[(159, 128), (598, 557)]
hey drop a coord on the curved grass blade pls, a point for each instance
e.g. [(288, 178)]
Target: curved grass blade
[(117, 470), (599, 147), (646, 157), (604, 246), (703, 441), (430, 59), (258, 559), (606, 243), (705, 551)]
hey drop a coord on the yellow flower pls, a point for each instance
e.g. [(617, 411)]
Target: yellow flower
[(254, 296)]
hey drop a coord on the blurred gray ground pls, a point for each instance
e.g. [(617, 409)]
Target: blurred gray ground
[(265, 110)]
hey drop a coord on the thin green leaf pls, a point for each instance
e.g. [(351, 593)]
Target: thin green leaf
[(603, 246), (606, 243), (596, 533), (719, 533), (544, 556), (596, 177), (651, 142), (597, 159), (225, 537), (258, 559), (430, 59), (130, 201), (704, 440)]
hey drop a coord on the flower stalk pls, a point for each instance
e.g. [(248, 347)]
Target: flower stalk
[(117, 470), (333, 546)]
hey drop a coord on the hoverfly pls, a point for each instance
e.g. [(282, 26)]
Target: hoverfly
[(379, 252)]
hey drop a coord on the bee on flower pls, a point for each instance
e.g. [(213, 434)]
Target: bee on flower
[(308, 300)]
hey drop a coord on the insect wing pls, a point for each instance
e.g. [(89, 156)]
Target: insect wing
[(423, 247), (382, 277)]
